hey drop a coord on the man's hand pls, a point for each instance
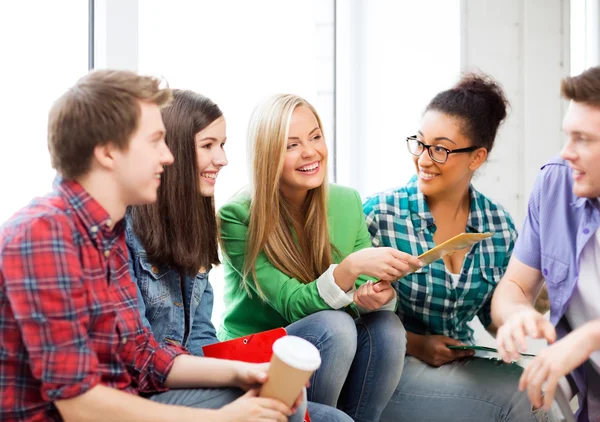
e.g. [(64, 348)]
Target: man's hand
[(251, 375), (252, 408), (553, 363), (435, 352), (511, 336), (373, 296)]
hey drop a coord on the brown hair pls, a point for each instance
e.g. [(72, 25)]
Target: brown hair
[(180, 228), (583, 88), (101, 107), (480, 104)]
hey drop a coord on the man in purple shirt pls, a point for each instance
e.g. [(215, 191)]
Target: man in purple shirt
[(560, 243)]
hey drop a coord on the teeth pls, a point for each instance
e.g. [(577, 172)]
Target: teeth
[(210, 175), (427, 175), (157, 176), (309, 168), (577, 173)]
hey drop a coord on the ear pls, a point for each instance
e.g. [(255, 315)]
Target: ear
[(104, 155), (479, 157)]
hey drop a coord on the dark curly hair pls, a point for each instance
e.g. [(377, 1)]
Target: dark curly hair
[(478, 101)]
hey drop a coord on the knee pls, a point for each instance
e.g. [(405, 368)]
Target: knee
[(387, 330), (338, 328)]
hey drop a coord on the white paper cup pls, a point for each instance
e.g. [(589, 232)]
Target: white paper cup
[(293, 362)]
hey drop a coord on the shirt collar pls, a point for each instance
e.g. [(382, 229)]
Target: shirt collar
[(93, 216), (476, 221), (421, 215), (419, 210)]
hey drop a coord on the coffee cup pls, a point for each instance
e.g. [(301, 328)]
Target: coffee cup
[(293, 362)]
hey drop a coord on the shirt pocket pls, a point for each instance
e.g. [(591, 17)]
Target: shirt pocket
[(152, 283), (554, 271)]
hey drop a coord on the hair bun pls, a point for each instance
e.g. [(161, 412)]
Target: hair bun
[(488, 90)]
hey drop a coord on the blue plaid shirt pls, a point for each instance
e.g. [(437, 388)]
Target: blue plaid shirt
[(428, 301)]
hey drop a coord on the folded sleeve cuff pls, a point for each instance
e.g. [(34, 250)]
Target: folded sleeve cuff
[(331, 293)]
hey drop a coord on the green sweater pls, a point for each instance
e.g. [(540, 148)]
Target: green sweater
[(286, 299)]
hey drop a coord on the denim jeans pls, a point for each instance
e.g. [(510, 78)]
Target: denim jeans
[(362, 360), (472, 389), (215, 398)]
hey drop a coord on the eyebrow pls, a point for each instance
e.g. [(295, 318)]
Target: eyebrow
[(440, 138), (311, 132), (212, 139), (160, 133)]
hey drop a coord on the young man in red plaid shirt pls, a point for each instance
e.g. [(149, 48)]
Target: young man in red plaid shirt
[(72, 345)]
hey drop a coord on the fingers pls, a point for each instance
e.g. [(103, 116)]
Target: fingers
[(501, 339), (452, 342), (253, 392), (299, 400), (274, 405), (510, 347), (548, 331), (411, 260), (366, 297), (382, 286), (256, 376), (531, 326), (511, 337), (518, 337), (550, 389), (534, 382), (273, 415)]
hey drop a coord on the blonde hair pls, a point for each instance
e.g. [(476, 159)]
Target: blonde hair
[(271, 215)]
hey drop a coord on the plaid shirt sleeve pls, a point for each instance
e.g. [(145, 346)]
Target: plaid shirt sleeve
[(43, 280), (153, 362)]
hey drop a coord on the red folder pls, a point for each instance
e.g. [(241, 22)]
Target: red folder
[(255, 348)]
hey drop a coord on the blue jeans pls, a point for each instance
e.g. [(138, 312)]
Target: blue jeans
[(472, 389), (215, 398), (362, 360)]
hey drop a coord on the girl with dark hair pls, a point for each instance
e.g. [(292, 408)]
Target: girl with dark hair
[(436, 302), (173, 242)]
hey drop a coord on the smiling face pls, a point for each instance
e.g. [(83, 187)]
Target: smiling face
[(582, 150), (210, 153), (437, 179), (305, 164)]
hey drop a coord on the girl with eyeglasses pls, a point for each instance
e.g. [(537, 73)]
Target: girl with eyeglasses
[(437, 302)]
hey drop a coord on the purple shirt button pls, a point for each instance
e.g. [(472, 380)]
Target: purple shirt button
[(545, 272), (586, 231)]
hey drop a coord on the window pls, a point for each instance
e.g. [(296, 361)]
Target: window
[(585, 35), (236, 53), (44, 50), (392, 58)]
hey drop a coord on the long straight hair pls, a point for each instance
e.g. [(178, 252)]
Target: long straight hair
[(180, 228), (271, 216)]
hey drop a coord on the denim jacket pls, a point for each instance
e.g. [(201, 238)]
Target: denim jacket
[(163, 305)]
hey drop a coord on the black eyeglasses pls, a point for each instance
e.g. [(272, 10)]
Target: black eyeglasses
[(438, 153)]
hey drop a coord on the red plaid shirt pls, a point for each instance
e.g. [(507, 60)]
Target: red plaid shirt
[(68, 308)]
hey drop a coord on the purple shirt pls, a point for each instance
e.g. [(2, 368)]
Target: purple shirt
[(557, 227)]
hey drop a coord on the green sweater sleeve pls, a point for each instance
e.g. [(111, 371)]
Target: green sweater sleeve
[(363, 240), (291, 298)]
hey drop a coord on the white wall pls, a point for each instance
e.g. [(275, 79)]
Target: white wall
[(525, 45)]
